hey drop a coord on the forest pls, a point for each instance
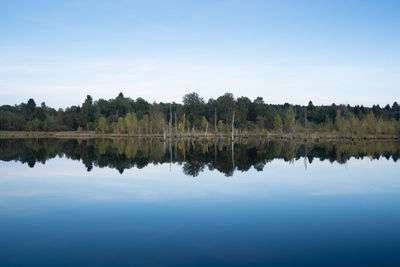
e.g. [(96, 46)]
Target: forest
[(224, 115)]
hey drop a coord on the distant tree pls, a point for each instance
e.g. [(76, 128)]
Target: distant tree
[(260, 107), (142, 107), (144, 124), (121, 125), (342, 125), (278, 123), (102, 124), (221, 126), (35, 125), (131, 123), (370, 122), (11, 121), (87, 112), (396, 111), (243, 107), (226, 106), (125, 115), (261, 122), (288, 122), (30, 108), (194, 107), (204, 123), (40, 114)]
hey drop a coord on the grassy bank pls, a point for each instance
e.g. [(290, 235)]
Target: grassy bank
[(296, 136)]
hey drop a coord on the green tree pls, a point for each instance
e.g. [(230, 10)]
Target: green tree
[(261, 122), (142, 107), (226, 107), (342, 125), (221, 126), (181, 128), (131, 123), (370, 123), (35, 125), (102, 124), (243, 106), (194, 108), (39, 113), (87, 112), (278, 123), (204, 123), (121, 125), (145, 124), (29, 108), (288, 122)]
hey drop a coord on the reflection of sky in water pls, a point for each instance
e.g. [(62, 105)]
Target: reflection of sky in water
[(329, 214), (69, 179)]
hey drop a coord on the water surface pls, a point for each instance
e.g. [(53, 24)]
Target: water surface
[(256, 202)]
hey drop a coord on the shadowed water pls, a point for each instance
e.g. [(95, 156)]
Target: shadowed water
[(130, 202)]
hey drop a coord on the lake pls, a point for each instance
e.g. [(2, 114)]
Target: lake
[(148, 202)]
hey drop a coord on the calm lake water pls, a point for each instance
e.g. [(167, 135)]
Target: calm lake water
[(130, 202)]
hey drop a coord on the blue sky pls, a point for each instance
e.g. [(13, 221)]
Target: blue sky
[(346, 52)]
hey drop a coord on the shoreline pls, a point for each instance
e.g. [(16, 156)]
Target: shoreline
[(296, 136)]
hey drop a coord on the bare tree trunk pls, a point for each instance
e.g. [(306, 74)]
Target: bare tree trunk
[(233, 121), (207, 128), (151, 145), (176, 125), (170, 120), (215, 120), (305, 156), (233, 156), (184, 121), (176, 148), (164, 133), (184, 150), (170, 154), (215, 150)]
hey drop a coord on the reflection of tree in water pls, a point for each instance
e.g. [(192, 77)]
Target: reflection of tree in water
[(195, 155), (193, 168)]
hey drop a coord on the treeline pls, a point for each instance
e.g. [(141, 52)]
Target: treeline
[(195, 156), (223, 115)]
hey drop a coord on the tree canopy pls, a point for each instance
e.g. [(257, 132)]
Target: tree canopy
[(137, 116)]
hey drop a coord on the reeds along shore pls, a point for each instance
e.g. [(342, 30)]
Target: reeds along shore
[(313, 137)]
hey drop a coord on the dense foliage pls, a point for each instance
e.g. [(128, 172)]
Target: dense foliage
[(126, 115)]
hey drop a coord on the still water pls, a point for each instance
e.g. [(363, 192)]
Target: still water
[(129, 202)]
